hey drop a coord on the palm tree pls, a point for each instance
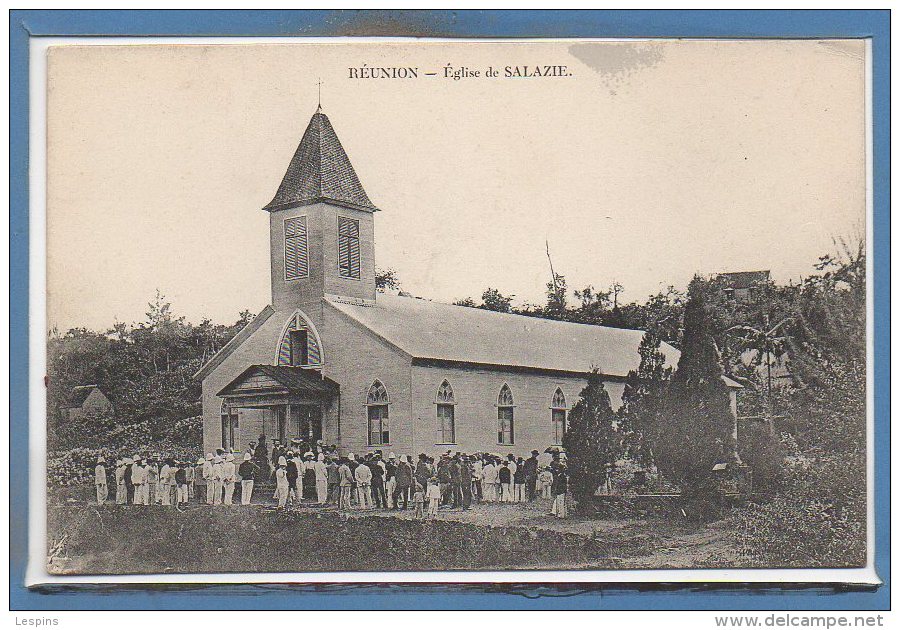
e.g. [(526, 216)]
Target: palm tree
[(768, 343)]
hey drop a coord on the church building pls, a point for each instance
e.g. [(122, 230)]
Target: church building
[(331, 358)]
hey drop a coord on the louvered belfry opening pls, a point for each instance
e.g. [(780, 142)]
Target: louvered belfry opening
[(296, 248), (348, 247), (321, 226)]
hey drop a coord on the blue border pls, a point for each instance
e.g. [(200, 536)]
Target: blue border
[(655, 23)]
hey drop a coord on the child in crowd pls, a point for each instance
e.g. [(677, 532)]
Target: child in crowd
[(419, 500), (434, 496), (545, 478)]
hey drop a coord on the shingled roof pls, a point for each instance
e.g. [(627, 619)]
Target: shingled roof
[(320, 171), (292, 379)]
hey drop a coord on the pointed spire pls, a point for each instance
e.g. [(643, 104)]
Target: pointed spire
[(320, 171)]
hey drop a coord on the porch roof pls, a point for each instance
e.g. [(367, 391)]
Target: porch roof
[(273, 379)]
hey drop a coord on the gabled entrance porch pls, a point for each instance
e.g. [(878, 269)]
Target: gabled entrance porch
[(280, 402)]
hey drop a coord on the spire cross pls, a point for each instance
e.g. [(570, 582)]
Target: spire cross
[(320, 92)]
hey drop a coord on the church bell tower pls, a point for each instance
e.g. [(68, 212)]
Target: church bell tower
[(321, 227)]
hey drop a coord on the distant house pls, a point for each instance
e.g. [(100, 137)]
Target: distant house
[(87, 400), (742, 285)]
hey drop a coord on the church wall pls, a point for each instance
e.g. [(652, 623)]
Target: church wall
[(259, 348), (355, 357), (476, 391)]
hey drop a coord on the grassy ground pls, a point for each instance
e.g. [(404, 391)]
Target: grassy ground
[(90, 539)]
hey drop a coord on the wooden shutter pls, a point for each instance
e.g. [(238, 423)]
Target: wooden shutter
[(348, 247), (296, 249)]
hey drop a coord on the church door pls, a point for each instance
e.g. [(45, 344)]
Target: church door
[(309, 419)]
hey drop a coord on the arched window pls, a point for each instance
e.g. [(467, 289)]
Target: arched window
[(445, 414), (299, 345), (558, 412), (377, 405), (229, 426), (505, 422)]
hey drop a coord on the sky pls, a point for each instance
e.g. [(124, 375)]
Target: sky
[(647, 163)]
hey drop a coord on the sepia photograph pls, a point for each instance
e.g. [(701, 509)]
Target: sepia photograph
[(429, 306)]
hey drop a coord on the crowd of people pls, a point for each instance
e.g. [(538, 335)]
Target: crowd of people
[(317, 474)]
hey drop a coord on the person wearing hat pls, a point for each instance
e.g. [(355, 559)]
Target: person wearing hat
[(378, 498), (390, 479), (281, 482), (248, 471), (307, 481), (346, 484), (172, 490), (292, 471), (352, 463), (475, 465), (321, 472), (189, 476), (199, 481), (403, 481), (531, 475), (489, 480), (129, 485), (363, 474), (560, 487), (229, 476), (153, 485), (208, 479), (545, 482), (261, 458), (217, 479), (465, 472), (163, 483), (456, 481), (334, 480), (504, 475), (444, 478), (100, 481), (139, 479), (422, 472), (181, 484), (121, 492)]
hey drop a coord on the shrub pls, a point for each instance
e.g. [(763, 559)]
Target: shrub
[(818, 520), (764, 453), (591, 442), (76, 465)]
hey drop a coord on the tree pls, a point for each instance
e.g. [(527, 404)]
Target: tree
[(642, 399), (827, 354), (591, 441), (594, 305), (386, 279), (767, 344), (557, 302), (493, 300), (695, 427)]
